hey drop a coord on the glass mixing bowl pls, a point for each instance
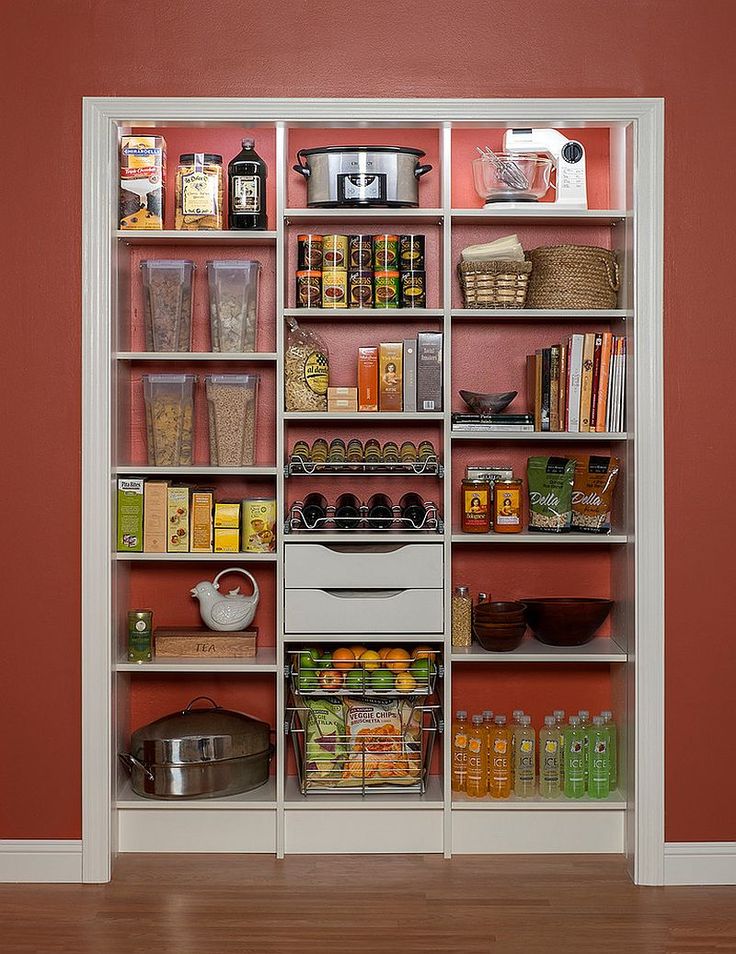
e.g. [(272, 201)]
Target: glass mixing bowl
[(492, 186)]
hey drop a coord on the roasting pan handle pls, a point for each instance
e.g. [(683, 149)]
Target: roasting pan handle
[(196, 699), (131, 762)]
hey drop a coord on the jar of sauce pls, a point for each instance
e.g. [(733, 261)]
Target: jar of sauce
[(476, 506), (507, 506)]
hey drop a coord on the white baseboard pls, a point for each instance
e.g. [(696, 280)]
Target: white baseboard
[(41, 861), (700, 862)]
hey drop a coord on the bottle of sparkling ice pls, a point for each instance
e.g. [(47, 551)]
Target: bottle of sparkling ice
[(524, 757), (574, 759), (599, 785), (584, 716), (559, 715), (500, 756), (460, 751), (549, 759), (488, 728), (477, 777), (612, 748)]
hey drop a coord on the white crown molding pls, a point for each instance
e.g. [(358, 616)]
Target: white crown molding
[(58, 862), (700, 862)]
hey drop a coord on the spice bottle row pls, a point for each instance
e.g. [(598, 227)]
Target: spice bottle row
[(361, 271), (200, 187), (361, 457), (349, 512), (563, 494), (168, 301), (155, 516)]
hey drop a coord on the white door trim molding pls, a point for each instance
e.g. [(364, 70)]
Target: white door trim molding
[(700, 862), (41, 861)]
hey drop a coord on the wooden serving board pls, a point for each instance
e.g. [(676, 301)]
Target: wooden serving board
[(201, 643)]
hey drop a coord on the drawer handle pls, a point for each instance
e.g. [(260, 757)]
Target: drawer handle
[(364, 594), (365, 548)]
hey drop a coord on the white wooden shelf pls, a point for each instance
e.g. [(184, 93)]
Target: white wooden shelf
[(614, 802), (538, 213), (263, 661), (546, 314), (375, 314), (366, 416), (260, 798), (567, 539), (244, 356), (369, 215), (432, 798), (196, 470), (601, 649), (376, 536), (352, 639), (538, 436), (197, 557), (213, 237)]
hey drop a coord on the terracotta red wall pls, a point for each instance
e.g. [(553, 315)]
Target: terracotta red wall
[(57, 51)]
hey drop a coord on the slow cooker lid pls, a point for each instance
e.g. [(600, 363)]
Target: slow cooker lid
[(315, 150)]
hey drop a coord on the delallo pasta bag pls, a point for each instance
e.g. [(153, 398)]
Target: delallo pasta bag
[(592, 493)]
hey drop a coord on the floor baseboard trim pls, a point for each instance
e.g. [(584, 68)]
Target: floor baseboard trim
[(56, 862), (700, 862)]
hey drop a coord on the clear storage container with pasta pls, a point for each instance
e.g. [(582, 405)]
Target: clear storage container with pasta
[(167, 304), (231, 403), (233, 289), (169, 400)]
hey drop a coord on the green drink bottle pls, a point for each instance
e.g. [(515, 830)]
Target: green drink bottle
[(607, 715), (598, 755), (574, 759)]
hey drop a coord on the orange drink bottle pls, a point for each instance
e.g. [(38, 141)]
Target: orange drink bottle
[(488, 727), (501, 759), (477, 779), (459, 770)]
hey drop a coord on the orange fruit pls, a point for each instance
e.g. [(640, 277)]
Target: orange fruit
[(370, 659), (357, 651), (397, 659), (423, 652), (343, 658), (331, 679), (384, 651)]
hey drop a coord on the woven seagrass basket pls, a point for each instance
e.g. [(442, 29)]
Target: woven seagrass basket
[(572, 276), (494, 284)]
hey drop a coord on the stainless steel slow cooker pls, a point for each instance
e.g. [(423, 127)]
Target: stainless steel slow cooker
[(361, 175), (199, 753)]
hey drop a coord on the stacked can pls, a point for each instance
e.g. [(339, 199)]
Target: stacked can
[(309, 271), (335, 271), (412, 273), (360, 271)]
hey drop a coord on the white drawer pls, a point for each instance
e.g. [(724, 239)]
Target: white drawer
[(364, 611), (332, 566)]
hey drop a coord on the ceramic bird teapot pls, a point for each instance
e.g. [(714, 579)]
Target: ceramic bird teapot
[(230, 612)]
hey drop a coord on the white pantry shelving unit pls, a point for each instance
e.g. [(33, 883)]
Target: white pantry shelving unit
[(277, 818)]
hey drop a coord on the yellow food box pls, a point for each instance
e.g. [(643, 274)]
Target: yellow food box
[(227, 540), (201, 532), (227, 515), (178, 520)]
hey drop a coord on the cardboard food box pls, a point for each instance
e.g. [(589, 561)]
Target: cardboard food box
[(200, 643), (130, 514), (227, 515), (201, 529), (390, 365), (429, 371), (227, 539), (155, 516), (367, 379), (142, 182), (342, 399), (177, 526), (410, 374)]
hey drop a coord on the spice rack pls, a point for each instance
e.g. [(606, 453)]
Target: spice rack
[(431, 523), (303, 467), (625, 153)]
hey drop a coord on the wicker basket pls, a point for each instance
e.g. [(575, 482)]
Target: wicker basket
[(572, 276), (494, 284)]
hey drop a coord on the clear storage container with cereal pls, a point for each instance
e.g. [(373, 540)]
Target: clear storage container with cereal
[(233, 288), (169, 402), (167, 304), (231, 402)]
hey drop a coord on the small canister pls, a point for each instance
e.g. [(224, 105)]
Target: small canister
[(354, 454), (408, 453), (360, 289), (320, 450), (308, 252), (360, 252), (462, 617), (140, 636), (426, 450), (387, 290), (335, 289), (411, 253), (334, 252), (300, 450), (259, 525), (413, 289), (308, 289), (385, 252), (476, 506), (337, 451), (390, 452), (372, 451), (507, 506)]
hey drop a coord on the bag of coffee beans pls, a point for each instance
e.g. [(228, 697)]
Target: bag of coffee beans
[(550, 481), (592, 493)]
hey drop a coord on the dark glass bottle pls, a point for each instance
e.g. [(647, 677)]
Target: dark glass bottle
[(314, 509), (347, 512), (413, 509), (246, 175), (381, 510)]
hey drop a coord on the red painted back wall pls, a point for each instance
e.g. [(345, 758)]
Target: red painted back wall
[(57, 51)]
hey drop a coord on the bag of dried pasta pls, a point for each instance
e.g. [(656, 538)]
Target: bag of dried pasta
[(550, 481), (592, 493), (306, 370)]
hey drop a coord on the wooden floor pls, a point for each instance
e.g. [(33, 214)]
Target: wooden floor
[(222, 904)]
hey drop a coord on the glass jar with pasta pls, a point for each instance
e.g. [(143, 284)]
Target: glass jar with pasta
[(199, 191)]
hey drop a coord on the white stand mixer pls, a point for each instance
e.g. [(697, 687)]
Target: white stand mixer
[(568, 155)]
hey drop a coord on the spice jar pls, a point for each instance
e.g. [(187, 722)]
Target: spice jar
[(408, 453), (354, 453), (507, 506), (426, 450), (300, 450), (461, 617), (390, 452), (320, 450), (372, 451), (337, 452), (199, 190), (476, 506)]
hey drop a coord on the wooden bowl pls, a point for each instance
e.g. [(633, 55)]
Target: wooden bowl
[(500, 611), (488, 403), (500, 639), (566, 622)]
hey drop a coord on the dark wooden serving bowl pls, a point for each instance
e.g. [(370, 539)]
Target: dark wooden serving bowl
[(500, 611), (500, 639), (566, 622)]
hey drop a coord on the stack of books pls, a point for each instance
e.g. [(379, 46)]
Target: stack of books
[(492, 422), (579, 386)]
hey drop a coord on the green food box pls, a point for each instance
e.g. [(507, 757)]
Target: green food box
[(130, 514)]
